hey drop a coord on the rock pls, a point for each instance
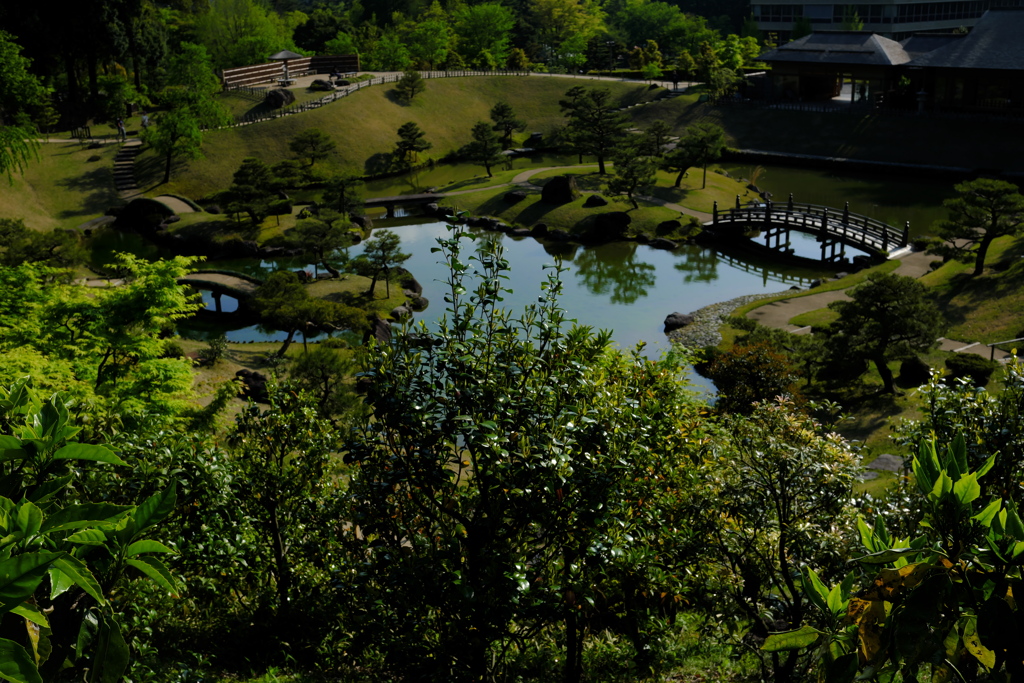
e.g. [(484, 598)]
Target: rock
[(364, 222), (401, 312), (515, 196), (380, 330), (867, 476), (173, 218), (675, 321), (558, 236), (520, 232), (540, 230), (815, 283), (341, 82), (840, 276), (915, 372), (213, 208), (279, 97), (608, 227), (560, 190), (642, 238), (595, 200), (886, 462), (662, 243), (668, 226), (321, 84), (419, 303)]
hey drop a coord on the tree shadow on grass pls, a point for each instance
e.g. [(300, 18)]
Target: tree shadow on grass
[(96, 187)]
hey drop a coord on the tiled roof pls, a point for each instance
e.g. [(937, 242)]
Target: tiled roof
[(840, 47), (923, 43), (994, 43)]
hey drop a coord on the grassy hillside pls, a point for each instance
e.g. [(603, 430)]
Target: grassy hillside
[(63, 189), (364, 126)]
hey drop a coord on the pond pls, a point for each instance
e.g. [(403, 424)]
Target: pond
[(891, 198), (623, 286)]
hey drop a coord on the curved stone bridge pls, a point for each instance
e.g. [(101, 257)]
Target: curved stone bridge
[(241, 287)]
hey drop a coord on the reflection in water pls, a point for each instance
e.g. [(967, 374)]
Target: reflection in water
[(700, 265), (600, 269)]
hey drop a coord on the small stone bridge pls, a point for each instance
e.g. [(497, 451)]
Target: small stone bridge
[(220, 282), (835, 228), (390, 203)]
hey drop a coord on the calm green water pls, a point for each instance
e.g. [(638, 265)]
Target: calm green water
[(624, 287), (893, 199)]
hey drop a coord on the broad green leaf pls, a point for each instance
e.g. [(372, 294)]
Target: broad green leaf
[(973, 644), (16, 665), (156, 570), (959, 452), (815, 589), (805, 636), (44, 491), (59, 582), (110, 657), (155, 508), (835, 600), (32, 613), (1014, 527), (77, 570), (967, 489), (88, 537), (30, 518), (19, 575), (85, 451), (986, 466), (146, 546), (986, 516), (11, 449), (886, 556), (943, 485), (86, 515)]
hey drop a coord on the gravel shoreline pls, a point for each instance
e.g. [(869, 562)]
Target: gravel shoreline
[(703, 331)]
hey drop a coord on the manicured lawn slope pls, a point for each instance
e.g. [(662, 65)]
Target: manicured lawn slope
[(364, 125)]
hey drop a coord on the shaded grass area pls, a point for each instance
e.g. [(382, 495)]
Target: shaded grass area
[(63, 189)]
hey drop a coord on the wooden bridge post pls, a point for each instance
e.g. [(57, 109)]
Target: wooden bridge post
[(846, 213), (390, 206), (216, 301), (737, 201), (714, 213), (789, 206), (906, 234), (824, 222), (768, 211)]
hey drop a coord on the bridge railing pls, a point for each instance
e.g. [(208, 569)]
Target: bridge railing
[(822, 220)]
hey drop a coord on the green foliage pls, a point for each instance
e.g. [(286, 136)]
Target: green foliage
[(380, 254), (326, 240), (325, 372), (748, 374), (341, 194), (312, 144), (594, 126), (19, 244), (983, 210), (635, 169), (410, 143), (215, 350), (702, 144), (484, 33), (973, 367), (409, 86), (63, 558), (517, 477), (506, 123), (944, 606), (888, 317), (485, 149)]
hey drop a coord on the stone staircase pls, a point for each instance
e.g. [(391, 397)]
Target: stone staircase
[(124, 169)]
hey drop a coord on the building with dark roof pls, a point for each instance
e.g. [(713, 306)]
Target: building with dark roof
[(981, 71)]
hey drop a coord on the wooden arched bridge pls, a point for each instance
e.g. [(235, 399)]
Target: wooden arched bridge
[(835, 229)]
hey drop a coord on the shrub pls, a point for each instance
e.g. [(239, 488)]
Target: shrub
[(172, 349), (914, 372), (978, 369), (215, 350), (280, 207)]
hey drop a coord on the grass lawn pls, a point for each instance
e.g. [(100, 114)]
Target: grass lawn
[(64, 188), (364, 125)]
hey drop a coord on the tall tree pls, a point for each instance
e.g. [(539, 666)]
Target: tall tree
[(381, 253), (177, 133), (594, 126), (323, 238), (634, 168), (485, 149), (484, 33), (983, 210), (505, 122), (703, 143), (312, 144), (410, 143), (22, 96), (888, 317), (341, 194)]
